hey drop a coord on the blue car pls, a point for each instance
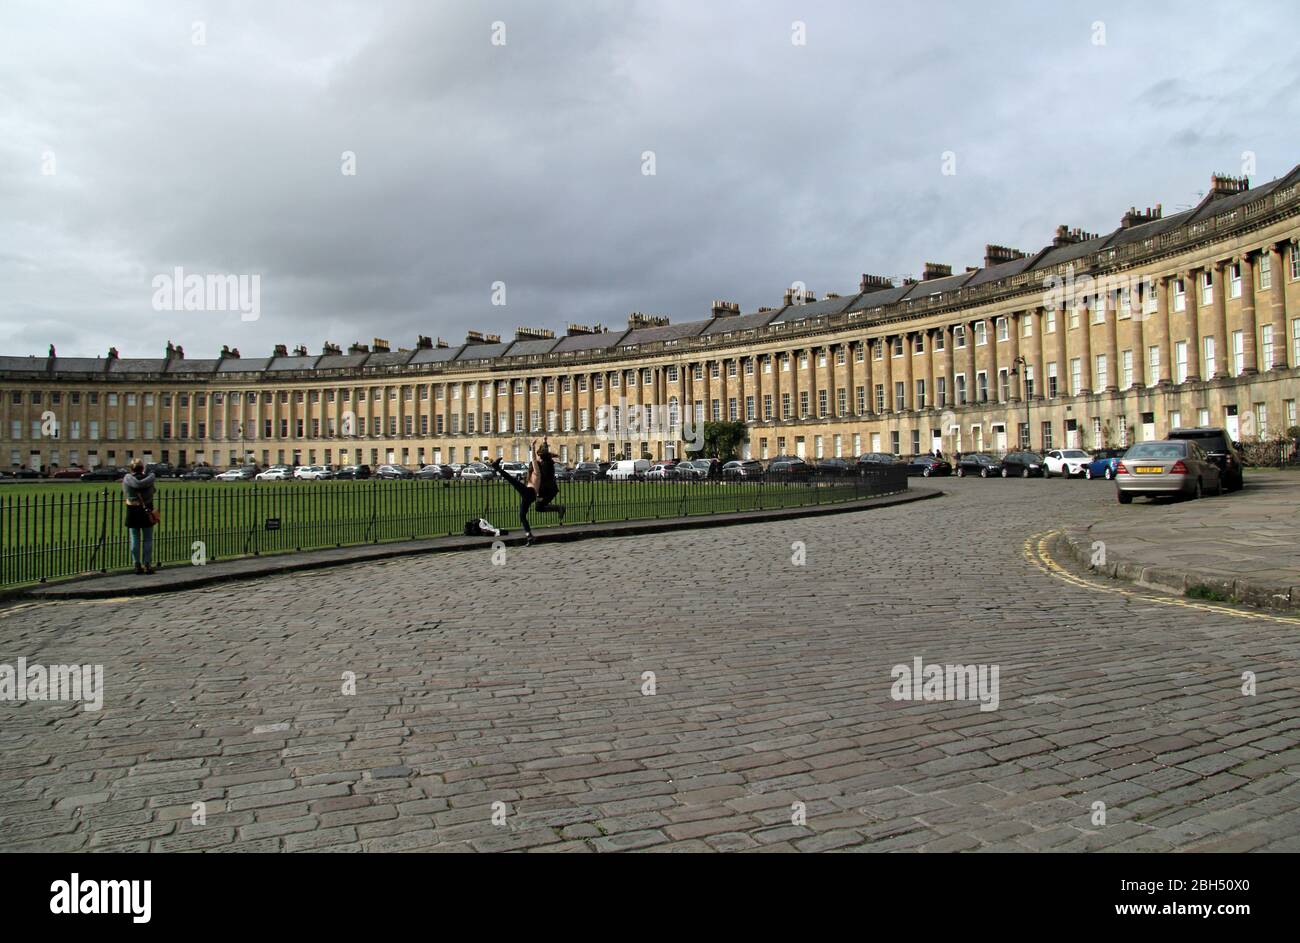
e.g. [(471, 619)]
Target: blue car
[(1103, 463)]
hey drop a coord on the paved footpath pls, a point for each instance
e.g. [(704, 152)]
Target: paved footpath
[(1246, 549), (506, 707)]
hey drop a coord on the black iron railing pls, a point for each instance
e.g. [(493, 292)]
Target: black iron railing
[(53, 534)]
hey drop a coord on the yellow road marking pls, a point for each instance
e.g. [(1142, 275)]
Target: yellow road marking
[(1037, 555)]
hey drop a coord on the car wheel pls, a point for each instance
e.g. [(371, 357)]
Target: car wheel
[(1004, 473), (984, 472), (1047, 472), (926, 472), (1024, 473), (1110, 473), (961, 472), (1124, 497), (1087, 473)]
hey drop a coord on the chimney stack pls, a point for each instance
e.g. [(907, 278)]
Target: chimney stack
[(724, 309), (533, 334), (575, 330), (442, 344), (380, 345), (1223, 185), (875, 283), (359, 348), (331, 350), (935, 270), (996, 255), (1066, 236), (636, 320), (423, 343), (281, 350), (1134, 218)]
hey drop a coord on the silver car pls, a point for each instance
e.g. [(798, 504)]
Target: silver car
[(1172, 467)]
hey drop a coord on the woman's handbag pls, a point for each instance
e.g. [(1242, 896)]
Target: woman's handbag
[(154, 517)]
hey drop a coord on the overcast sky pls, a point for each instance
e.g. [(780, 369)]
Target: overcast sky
[(138, 137)]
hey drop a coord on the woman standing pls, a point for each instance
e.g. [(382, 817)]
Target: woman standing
[(138, 489)]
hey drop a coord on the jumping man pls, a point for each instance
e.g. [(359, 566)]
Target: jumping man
[(539, 487)]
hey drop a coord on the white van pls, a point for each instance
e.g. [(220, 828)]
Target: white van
[(634, 469)]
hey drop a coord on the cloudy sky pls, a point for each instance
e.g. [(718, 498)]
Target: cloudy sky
[(138, 137)]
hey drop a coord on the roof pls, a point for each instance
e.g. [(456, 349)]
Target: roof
[(483, 351), (1002, 270), (192, 366), (662, 332), (531, 347), (134, 365), (435, 354), (738, 322), (936, 286), (813, 309), (238, 365), (291, 363), (340, 361), (602, 340), (876, 299)]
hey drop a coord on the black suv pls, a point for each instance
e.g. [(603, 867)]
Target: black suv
[(1023, 464), (977, 463), (1219, 449)]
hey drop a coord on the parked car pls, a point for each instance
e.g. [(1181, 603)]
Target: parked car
[(661, 471), (36, 473), (162, 470), (475, 471), (1065, 462), (1177, 467), (563, 472), (238, 473), (1221, 450), (517, 470), (591, 471), (743, 469), (393, 472), (927, 466), (787, 469), (200, 473), (353, 472), (275, 473), (632, 469), (978, 463), (102, 473), (1023, 464), (878, 460), (834, 468), (71, 471), (435, 473), (693, 469), (1103, 463), (313, 473)]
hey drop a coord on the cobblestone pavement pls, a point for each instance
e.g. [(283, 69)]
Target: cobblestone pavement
[(518, 690)]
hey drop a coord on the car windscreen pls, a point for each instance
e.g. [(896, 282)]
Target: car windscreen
[(1157, 451), (1211, 442)]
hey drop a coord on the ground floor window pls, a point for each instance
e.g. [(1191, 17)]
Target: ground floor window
[(1047, 436)]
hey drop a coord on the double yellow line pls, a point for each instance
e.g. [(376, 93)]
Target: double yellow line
[(1037, 554)]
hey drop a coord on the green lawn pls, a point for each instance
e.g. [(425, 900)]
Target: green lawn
[(59, 529)]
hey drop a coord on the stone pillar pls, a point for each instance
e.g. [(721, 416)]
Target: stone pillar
[(972, 365), (1277, 259), (1062, 353), (1249, 323), (869, 401), (1195, 278), (1086, 379), (1014, 327), (887, 381), (909, 354), (1110, 330)]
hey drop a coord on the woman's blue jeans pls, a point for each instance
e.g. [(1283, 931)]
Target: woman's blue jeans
[(142, 545)]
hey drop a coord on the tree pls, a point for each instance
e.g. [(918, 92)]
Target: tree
[(722, 440)]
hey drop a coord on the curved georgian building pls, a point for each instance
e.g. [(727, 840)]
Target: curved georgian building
[(1191, 319)]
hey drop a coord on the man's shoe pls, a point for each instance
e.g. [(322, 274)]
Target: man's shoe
[(139, 570), (530, 541)]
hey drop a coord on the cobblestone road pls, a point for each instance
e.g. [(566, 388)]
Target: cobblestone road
[(522, 685)]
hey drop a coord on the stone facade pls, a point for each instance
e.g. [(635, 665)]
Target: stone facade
[(1186, 320)]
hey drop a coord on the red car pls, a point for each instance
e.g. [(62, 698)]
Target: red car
[(72, 471)]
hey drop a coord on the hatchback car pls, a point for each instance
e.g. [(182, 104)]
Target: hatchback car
[(353, 472), (476, 472), (927, 466), (662, 472), (1068, 463), (239, 473), (1022, 464), (834, 468), (1221, 451), (393, 472), (591, 471), (742, 469), (1179, 468), (878, 460), (787, 469), (1103, 464), (275, 473), (517, 470), (978, 463), (434, 473)]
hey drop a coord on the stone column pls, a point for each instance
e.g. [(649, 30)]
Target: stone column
[(887, 381), (1111, 332), (869, 401), (1038, 352), (1062, 353), (1086, 378), (1277, 259), (972, 365), (1162, 328), (909, 371), (1194, 280), (1249, 323), (1014, 326)]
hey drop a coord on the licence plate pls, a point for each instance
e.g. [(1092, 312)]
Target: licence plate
[(1150, 469)]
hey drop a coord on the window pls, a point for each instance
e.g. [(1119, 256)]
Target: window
[(1261, 420), (1153, 365), (767, 407), (1103, 374), (1098, 310), (716, 410), (1003, 329), (821, 357), (858, 353), (896, 346), (940, 392), (1126, 369), (860, 398), (1175, 419), (1125, 303), (1234, 288), (1004, 386), (1265, 271), (920, 394), (1029, 381), (1207, 358), (900, 396), (785, 363), (1074, 314), (918, 343), (841, 401), (960, 380), (982, 386), (981, 333), (1051, 379), (1180, 362), (1266, 346), (1049, 321), (1295, 263), (1149, 297), (732, 409), (1047, 436), (1289, 406), (785, 406), (803, 404), (823, 403), (749, 366), (1238, 353), (1180, 295), (731, 368), (1027, 325), (749, 409), (1076, 376), (959, 336), (1023, 434), (1295, 342), (803, 360)]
